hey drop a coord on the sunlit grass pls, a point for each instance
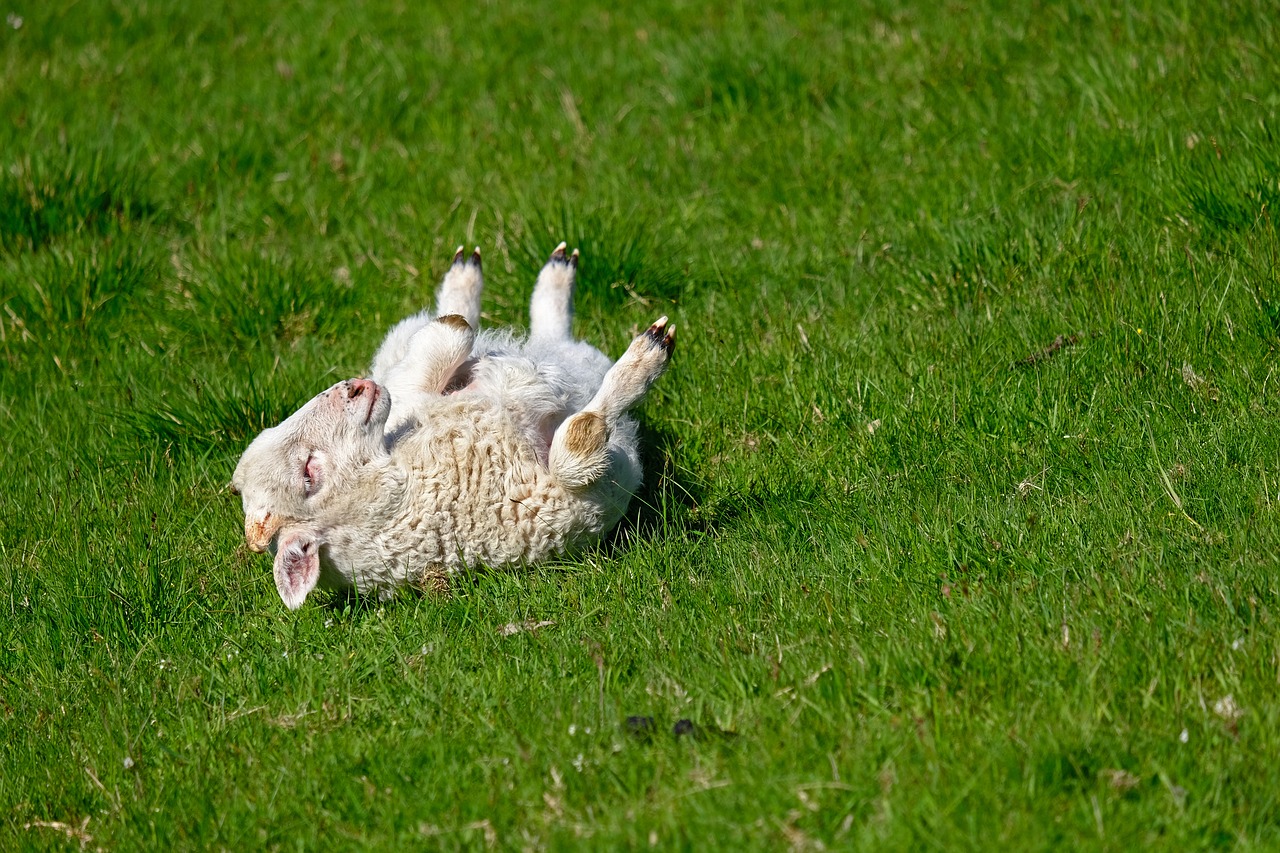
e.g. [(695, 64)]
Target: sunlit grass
[(960, 527)]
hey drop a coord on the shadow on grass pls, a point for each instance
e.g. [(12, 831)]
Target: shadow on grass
[(350, 604), (671, 501)]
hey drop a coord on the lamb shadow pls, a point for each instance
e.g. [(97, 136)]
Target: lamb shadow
[(671, 499), (350, 604)]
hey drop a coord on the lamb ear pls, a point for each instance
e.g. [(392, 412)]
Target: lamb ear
[(297, 567)]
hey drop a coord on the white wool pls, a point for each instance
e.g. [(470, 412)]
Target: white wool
[(463, 449)]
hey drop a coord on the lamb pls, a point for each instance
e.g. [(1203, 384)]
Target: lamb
[(463, 448)]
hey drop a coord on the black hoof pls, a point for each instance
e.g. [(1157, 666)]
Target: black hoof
[(662, 335), (460, 257)]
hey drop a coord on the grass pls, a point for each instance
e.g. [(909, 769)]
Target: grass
[(960, 527)]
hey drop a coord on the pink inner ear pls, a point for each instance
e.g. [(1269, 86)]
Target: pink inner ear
[(297, 568)]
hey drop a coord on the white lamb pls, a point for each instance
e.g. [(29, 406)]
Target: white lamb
[(462, 449)]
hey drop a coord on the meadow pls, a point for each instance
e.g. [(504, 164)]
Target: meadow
[(960, 527)]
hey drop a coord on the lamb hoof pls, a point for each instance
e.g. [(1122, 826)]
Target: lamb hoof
[(460, 257), (662, 335), (559, 257)]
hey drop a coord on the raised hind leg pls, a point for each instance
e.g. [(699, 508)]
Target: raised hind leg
[(551, 309), (460, 290), (579, 453)]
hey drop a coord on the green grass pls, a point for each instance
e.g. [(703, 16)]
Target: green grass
[(950, 585)]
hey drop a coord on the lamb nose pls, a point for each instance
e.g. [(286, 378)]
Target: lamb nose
[(356, 387)]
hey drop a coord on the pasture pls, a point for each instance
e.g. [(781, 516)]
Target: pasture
[(960, 526)]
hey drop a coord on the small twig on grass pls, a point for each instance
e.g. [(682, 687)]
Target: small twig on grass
[(1198, 383), (1029, 485), (512, 628), (1060, 343), (79, 833), (1168, 484)]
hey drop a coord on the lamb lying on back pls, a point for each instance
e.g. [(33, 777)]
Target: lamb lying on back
[(464, 447)]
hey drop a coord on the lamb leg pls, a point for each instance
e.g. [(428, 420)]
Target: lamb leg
[(580, 447), (551, 309), (460, 290)]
